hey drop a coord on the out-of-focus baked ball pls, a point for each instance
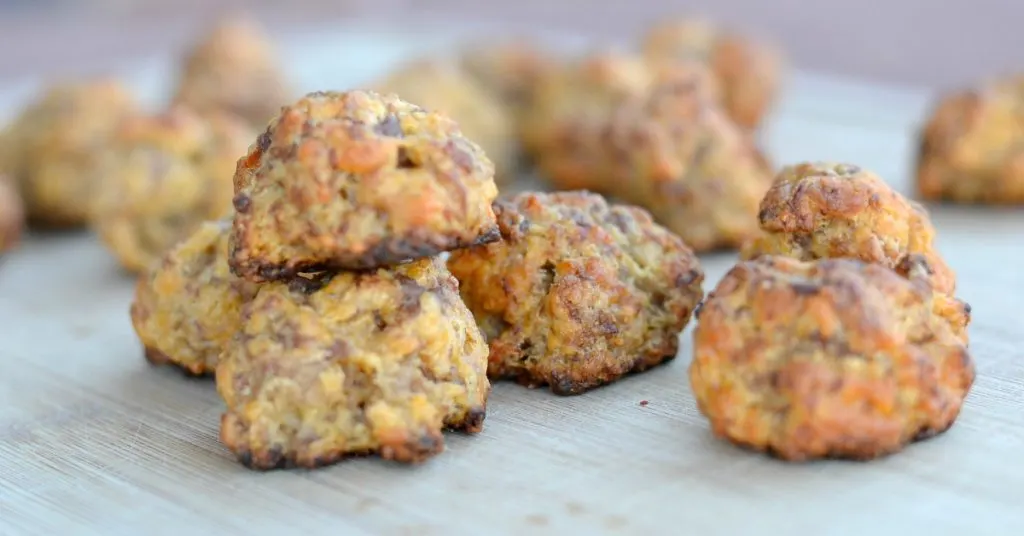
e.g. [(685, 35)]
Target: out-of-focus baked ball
[(444, 87), (832, 358), (51, 148), (234, 69), (162, 177), (12, 214), (655, 137), (748, 71), (972, 146), (565, 129), (578, 292), (332, 365), (821, 210), (358, 180), (509, 69), (188, 306), (675, 153)]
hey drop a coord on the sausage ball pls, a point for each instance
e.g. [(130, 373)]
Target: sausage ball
[(357, 180), (163, 176), (331, 365), (821, 210), (234, 69), (188, 306), (972, 146), (748, 71), (442, 86), (565, 130), (676, 154), (51, 149), (579, 292), (834, 358), (510, 70)]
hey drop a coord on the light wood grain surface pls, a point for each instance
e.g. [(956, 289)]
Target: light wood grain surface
[(94, 441)]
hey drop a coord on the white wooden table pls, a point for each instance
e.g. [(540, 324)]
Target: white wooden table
[(95, 441)]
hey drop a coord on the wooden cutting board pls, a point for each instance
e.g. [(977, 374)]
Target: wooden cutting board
[(93, 440)]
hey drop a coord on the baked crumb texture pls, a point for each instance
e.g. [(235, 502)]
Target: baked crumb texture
[(652, 135), (327, 366), (833, 358), (162, 176), (51, 149), (357, 180), (187, 307), (578, 292), (822, 210), (972, 146)]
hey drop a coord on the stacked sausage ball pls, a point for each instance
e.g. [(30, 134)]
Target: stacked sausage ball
[(354, 280)]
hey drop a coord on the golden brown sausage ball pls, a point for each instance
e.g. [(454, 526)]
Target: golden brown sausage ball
[(332, 365), (972, 146), (188, 306), (748, 71), (579, 292), (564, 129), (676, 154), (510, 70), (357, 180), (234, 69), (163, 176), (822, 210), (832, 358), (52, 148)]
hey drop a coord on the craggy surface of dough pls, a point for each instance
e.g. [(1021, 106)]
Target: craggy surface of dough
[(821, 210)]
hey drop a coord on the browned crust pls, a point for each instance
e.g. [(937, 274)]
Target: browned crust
[(394, 250), (413, 452), (568, 386), (158, 359), (811, 210), (867, 452)]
